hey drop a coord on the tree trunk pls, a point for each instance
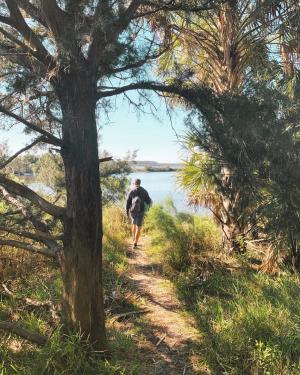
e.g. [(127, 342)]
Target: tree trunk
[(232, 238), (82, 261)]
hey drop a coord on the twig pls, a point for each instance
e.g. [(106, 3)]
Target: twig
[(30, 303), (7, 291), (13, 157), (130, 313), (160, 340)]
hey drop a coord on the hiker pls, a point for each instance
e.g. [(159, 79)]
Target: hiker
[(137, 202)]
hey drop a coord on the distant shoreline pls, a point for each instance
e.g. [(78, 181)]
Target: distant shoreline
[(151, 170), (152, 166)]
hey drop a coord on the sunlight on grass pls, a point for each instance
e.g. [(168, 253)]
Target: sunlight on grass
[(249, 321)]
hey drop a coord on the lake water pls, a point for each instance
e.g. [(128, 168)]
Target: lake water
[(162, 185)]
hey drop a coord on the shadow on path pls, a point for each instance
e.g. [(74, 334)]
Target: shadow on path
[(171, 335)]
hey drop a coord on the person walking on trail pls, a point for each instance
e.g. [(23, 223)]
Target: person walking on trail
[(137, 202)]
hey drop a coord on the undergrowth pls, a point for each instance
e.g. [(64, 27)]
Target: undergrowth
[(249, 321), (39, 279), (182, 236)]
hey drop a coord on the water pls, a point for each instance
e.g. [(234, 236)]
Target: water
[(42, 188), (161, 186)]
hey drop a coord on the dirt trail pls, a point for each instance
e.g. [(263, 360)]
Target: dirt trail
[(170, 334)]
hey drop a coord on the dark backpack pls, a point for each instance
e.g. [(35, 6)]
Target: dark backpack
[(136, 205)]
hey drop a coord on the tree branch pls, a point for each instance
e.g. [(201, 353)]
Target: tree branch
[(102, 38), (109, 158), (32, 11), (39, 226), (18, 22), (28, 247), (23, 60), (49, 137), (9, 160), (36, 236), (56, 19), (147, 58), (15, 188), (172, 5), (196, 95), (31, 303)]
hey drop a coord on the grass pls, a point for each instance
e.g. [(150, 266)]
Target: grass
[(183, 237), (249, 321), (40, 280)]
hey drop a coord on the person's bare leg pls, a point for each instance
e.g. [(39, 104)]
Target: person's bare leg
[(133, 230), (137, 234)]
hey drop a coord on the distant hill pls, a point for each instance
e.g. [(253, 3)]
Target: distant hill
[(154, 166)]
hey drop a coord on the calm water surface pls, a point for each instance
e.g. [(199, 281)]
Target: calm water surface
[(162, 185)]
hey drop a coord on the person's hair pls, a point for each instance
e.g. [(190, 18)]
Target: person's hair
[(137, 182)]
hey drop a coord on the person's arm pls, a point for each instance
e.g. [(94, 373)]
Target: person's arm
[(147, 198), (128, 203)]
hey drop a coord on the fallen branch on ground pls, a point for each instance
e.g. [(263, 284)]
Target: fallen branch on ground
[(23, 332), (161, 340), (30, 303), (130, 313)]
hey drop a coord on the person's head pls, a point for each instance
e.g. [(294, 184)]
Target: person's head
[(137, 182)]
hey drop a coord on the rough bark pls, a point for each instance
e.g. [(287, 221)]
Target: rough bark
[(82, 262)]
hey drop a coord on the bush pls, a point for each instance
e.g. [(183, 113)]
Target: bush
[(182, 237)]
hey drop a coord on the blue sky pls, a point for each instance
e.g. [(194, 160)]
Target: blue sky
[(155, 139)]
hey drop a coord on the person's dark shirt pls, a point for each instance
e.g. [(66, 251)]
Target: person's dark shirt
[(138, 191)]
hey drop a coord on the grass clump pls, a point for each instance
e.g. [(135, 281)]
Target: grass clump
[(249, 321), (182, 236), (39, 279), (68, 357)]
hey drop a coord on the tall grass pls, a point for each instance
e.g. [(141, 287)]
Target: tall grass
[(249, 321), (68, 355), (182, 237)]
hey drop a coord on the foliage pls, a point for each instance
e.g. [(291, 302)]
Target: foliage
[(114, 178), (49, 170), (3, 152), (183, 236), (71, 355), (249, 321), (245, 160), (23, 164), (217, 47)]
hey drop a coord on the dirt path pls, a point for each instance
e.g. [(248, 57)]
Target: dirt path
[(170, 333)]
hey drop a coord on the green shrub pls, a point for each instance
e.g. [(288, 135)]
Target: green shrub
[(182, 237)]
